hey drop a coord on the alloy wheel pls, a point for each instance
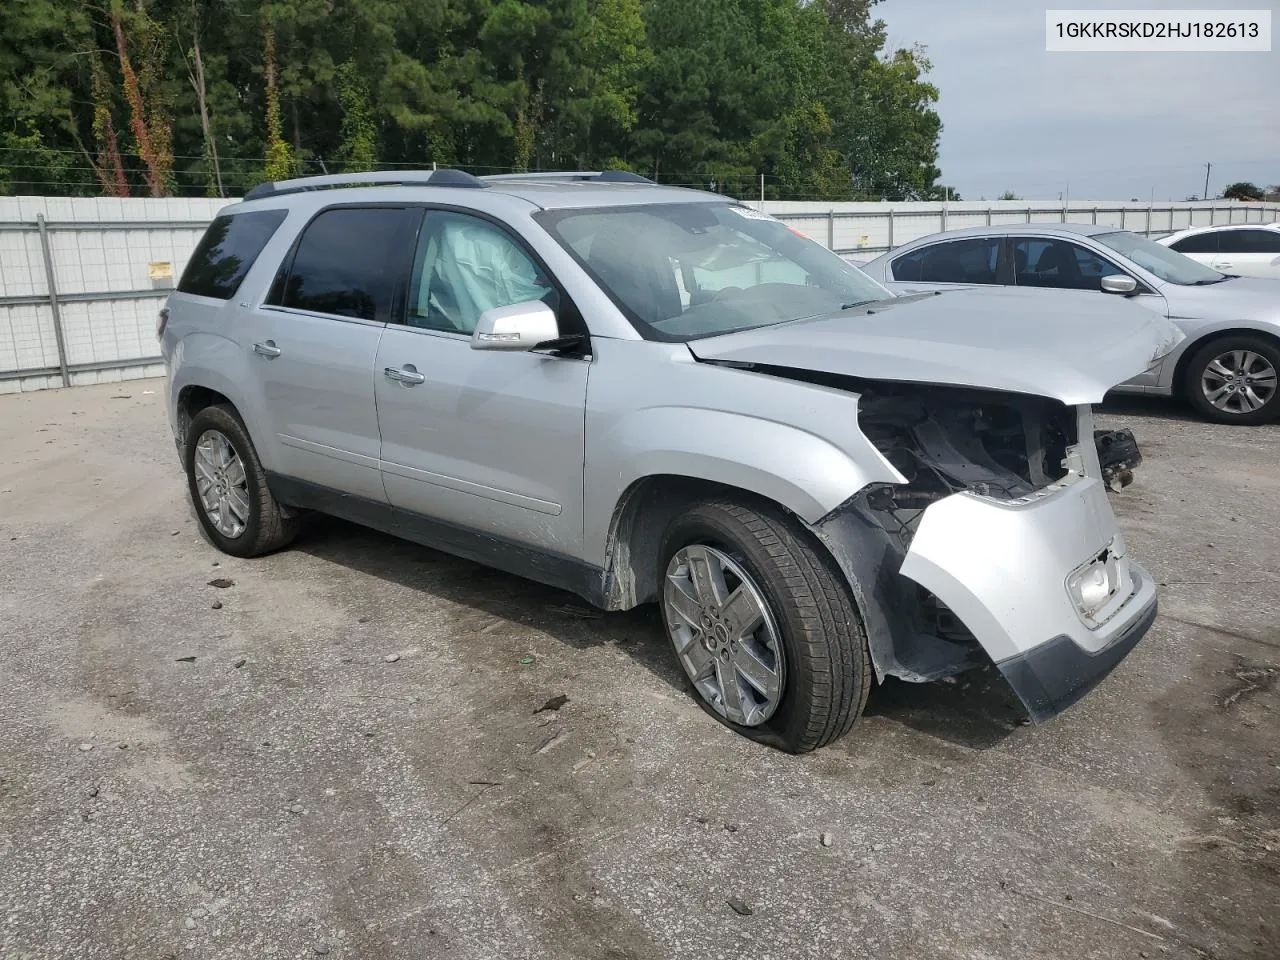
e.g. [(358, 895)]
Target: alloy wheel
[(1239, 381), (221, 484), (724, 635)]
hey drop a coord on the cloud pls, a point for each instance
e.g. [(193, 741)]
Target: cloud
[(1114, 125)]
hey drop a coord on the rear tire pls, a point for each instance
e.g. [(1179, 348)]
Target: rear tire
[(228, 486), (810, 644), (1236, 372)]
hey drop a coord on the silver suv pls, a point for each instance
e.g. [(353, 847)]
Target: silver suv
[(640, 393)]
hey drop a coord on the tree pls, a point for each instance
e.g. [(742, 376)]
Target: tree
[(211, 96), (359, 134), (1242, 191), (1008, 195)]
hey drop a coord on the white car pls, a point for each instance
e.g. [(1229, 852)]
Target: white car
[(1251, 250)]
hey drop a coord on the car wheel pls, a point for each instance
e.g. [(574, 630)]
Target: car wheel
[(763, 625), (1234, 380), (229, 487)]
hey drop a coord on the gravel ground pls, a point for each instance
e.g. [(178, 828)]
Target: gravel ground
[(343, 753)]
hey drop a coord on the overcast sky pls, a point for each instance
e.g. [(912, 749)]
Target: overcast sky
[(1114, 125)]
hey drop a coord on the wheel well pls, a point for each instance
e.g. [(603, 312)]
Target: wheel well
[(191, 400), (639, 521), (1180, 371)]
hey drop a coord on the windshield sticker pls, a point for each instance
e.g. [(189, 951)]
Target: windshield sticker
[(751, 214)]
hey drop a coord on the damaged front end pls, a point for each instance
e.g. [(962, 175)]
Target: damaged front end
[(999, 547)]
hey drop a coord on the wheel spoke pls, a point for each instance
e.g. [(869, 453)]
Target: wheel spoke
[(239, 503), (1250, 400), (756, 672), (742, 613), (707, 575), (235, 472), (1216, 393), (1218, 369), (730, 694), (1237, 360), (223, 451), (681, 602)]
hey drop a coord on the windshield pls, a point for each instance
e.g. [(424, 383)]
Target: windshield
[(1164, 263), (680, 271)]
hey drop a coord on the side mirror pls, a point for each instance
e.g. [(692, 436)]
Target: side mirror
[(1120, 283), (520, 326)]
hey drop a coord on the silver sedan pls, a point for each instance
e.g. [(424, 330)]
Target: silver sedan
[(1228, 364)]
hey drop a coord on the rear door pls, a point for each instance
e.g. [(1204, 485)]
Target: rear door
[(489, 441), (1200, 247), (314, 343), (1248, 252), (951, 264)]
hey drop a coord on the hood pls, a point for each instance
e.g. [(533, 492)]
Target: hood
[(1070, 346), (1240, 298)]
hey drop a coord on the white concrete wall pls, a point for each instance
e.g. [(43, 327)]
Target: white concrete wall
[(862, 230)]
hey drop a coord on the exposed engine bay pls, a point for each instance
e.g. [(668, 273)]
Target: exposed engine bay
[(946, 440)]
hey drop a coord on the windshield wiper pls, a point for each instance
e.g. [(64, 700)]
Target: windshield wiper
[(1205, 283), (856, 303)]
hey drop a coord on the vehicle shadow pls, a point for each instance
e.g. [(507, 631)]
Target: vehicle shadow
[(1156, 408), (976, 709), (492, 593)]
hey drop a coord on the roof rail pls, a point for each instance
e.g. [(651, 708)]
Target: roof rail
[(571, 176), (384, 178)]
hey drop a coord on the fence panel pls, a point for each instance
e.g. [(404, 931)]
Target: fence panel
[(112, 263), (114, 260)]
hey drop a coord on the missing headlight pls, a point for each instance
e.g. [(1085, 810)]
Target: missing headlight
[(947, 440)]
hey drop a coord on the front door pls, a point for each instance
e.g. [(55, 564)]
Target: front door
[(1060, 264), (315, 340), (485, 440)]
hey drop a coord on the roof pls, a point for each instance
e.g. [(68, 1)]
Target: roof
[(560, 195), (548, 191), (1217, 227), (1052, 228)]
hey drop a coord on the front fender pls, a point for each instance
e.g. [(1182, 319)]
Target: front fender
[(794, 443), (799, 470)]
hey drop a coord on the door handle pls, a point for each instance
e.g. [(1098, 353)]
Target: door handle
[(267, 349), (406, 375), (1223, 265)]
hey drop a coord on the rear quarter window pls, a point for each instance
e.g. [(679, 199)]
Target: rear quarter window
[(227, 251)]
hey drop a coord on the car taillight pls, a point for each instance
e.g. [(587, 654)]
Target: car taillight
[(162, 322)]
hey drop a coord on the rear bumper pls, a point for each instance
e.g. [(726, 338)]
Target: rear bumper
[(1051, 677)]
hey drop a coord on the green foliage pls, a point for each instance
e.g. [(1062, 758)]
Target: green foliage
[(1008, 195), (801, 91), (359, 133), (1243, 191)]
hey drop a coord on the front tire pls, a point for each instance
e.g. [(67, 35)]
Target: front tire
[(1234, 380), (228, 486), (763, 625)]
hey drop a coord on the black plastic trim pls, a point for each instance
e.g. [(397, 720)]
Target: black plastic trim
[(1054, 675), (552, 569)]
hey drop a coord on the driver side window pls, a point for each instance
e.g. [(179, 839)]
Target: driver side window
[(1060, 264), (464, 266)]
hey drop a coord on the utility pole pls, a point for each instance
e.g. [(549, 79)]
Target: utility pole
[(1207, 168)]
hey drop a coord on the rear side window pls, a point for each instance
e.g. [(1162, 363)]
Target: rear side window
[(1197, 243), (351, 262), (227, 251), (1251, 241), (960, 261)]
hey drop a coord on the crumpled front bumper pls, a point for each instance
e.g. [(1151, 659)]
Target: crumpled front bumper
[(1002, 568)]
